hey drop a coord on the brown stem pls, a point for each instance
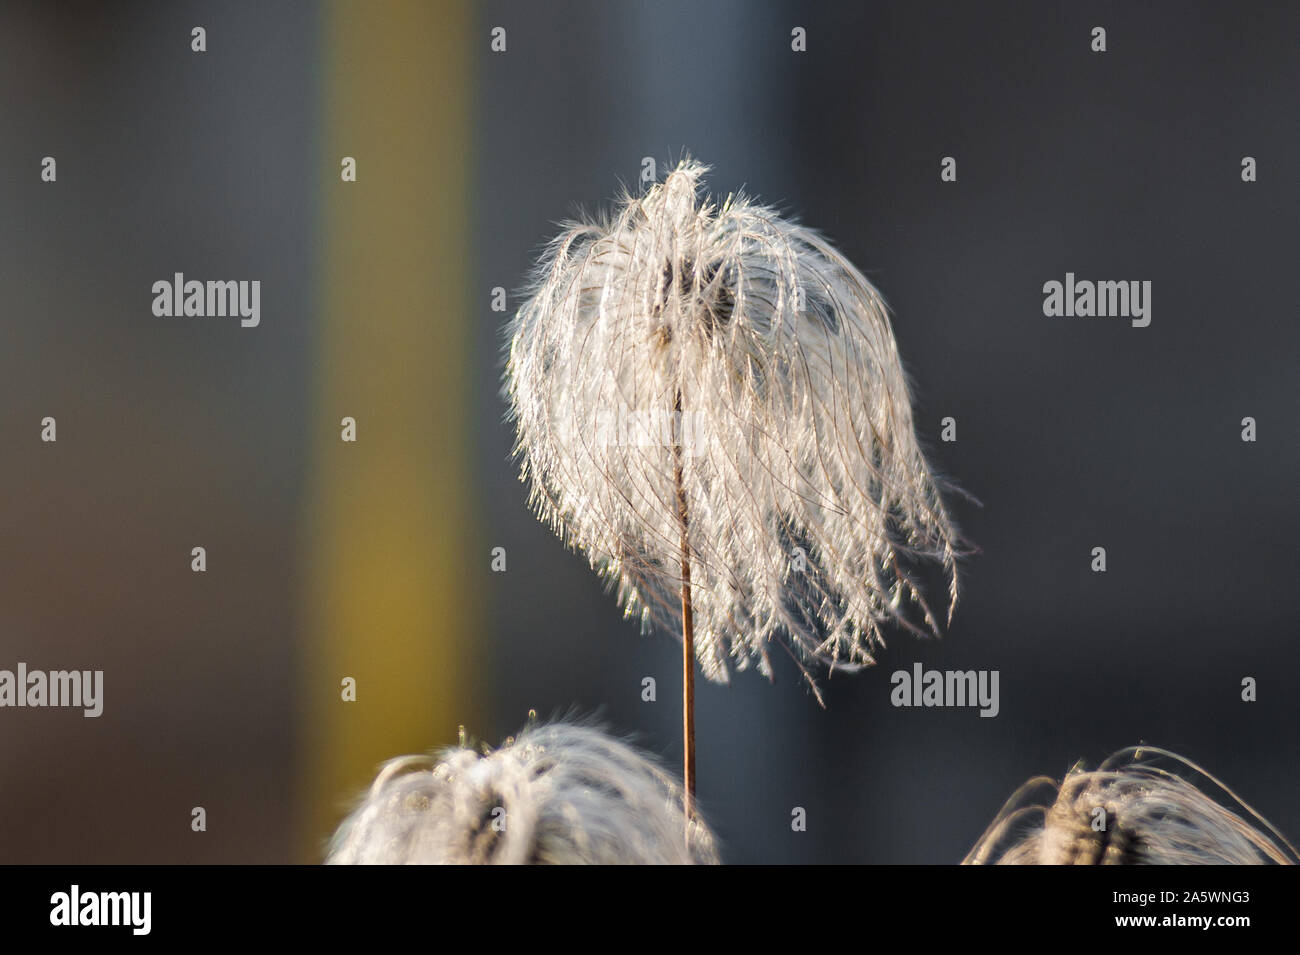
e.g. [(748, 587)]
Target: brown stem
[(688, 629)]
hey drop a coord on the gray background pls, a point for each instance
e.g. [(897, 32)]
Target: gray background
[(1072, 433)]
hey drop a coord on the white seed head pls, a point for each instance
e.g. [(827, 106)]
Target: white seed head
[(737, 349), (1147, 815), (559, 794)]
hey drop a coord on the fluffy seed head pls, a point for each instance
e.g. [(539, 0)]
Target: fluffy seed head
[(726, 353), (559, 794), (1150, 815)]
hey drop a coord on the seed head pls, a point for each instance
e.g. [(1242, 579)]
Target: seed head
[(559, 794), (735, 352), (1129, 812)]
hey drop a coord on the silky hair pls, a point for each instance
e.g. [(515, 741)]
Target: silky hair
[(559, 794), (717, 365), (1130, 811)]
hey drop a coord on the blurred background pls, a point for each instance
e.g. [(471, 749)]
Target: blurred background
[(371, 560)]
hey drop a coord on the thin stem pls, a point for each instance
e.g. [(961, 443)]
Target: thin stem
[(688, 629)]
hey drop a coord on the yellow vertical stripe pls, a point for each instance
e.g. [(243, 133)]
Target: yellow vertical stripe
[(387, 527)]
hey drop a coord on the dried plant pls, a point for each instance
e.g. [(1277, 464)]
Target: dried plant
[(710, 406), (561, 793), (747, 345), (1130, 811)]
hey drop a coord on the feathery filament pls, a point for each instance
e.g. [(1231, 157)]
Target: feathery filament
[(809, 499), (559, 794)]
